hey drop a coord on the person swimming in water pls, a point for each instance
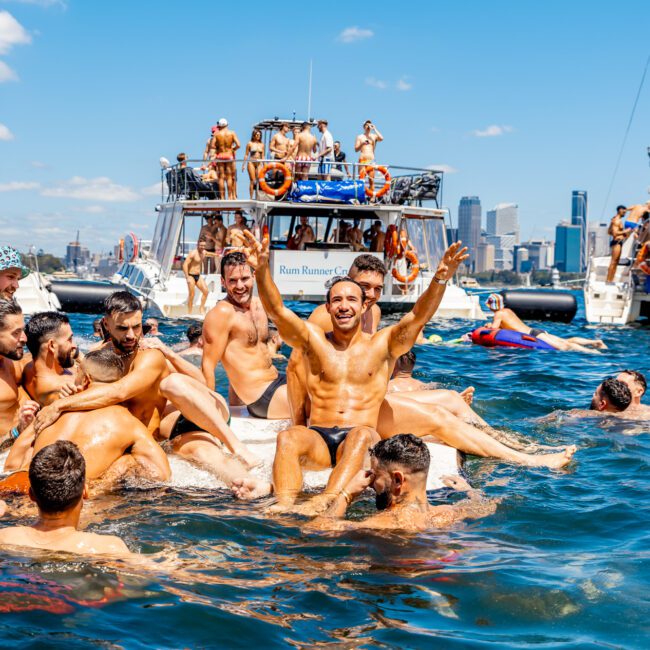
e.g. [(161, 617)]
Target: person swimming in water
[(398, 476), (504, 318), (637, 384)]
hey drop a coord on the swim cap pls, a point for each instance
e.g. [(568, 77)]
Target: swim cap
[(435, 338), (494, 302)]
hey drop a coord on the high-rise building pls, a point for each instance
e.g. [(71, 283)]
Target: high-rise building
[(484, 257), (539, 255), (579, 218), (469, 226), (567, 247), (504, 246), (597, 240), (73, 254), (503, 220)]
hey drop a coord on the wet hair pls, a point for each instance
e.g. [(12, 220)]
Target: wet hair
[(8, 308), (43, 327), (617, 393), (97, 326), (103, 365), (368, 263), (194, 333), (57, 475), (406, 362), (121, 302), (638, 378), (236, 258), (337, 280), (404, 449)]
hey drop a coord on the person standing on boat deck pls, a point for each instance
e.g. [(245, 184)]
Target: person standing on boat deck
[(354, 236), (365, 145), (207, 234), (254, 152), (348, 372), (279, 145), (209, 153), (339, 158), (12, 271), (378, 238), (226, 144), (235, 232), (192, 269), (325, 151), (307, 148), (304, 235), (618, 234)]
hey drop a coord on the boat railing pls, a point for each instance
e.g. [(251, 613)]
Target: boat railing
[(357, 183)]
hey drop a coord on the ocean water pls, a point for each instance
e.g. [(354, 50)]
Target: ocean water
[(563, 563)]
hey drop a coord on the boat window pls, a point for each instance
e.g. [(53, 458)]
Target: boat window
[(428, 238)]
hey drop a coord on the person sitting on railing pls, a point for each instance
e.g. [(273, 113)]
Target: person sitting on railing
[(226, 144), (307, 148), (339, 158), (254, 152), (618, 233), (325, 151)]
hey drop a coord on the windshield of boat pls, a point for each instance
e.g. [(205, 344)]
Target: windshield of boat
[(428, 238)]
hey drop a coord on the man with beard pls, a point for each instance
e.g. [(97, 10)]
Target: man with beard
[(398, 475), (611, 396), (150, 380), (637, 384), (49, 339), (11, 272), (14, 418), (348, 372)]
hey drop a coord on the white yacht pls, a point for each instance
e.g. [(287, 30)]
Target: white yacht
[(152, 270), (34, 293)]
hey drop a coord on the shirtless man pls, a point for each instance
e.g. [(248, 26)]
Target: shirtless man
[(207, 234), (637, 384), (378, 238), (11, 272), (103, 435), (235, 232), (402, 379), (611, 396), (365, 145), (226, 144), (504, 318), (305, 154), (305, 235), (57, 476), (49, 339), (14, 417), (618, 233), (398, 475), (347, 377), (209, 152), (152, 377), (279, 145), (192, 269), (354, 236)]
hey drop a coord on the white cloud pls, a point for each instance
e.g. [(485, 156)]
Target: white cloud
[(11, 33), (91, 209), (376, 83), (17, 186), (37, 164), (447, 169), (44, 3), (354, 34), (402, 84), (492, 131), (5, 133), (151, 190), (6, 73), (92, 189)]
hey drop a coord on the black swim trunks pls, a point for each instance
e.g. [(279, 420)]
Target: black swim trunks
[(536, 332), (196, 276), (260, 407), (183, 425), (333, 437)]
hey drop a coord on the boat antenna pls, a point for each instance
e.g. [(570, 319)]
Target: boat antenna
[(627, 131), (311, 61)]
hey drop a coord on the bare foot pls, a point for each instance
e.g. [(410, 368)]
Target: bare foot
[(249, 459), (248, 489), (600, 345), (468, 395), (456, 482), (554, 461), (315, 506)]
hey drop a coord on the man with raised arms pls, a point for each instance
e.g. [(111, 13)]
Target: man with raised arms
[(152, 376), (57, 477), (348, 372), (50, 340), (103, 435), (398, 476)]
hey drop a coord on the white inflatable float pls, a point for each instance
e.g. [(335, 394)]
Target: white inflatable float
[(260, 436)]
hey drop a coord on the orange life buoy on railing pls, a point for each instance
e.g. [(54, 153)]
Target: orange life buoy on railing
[(643, 254), (415, 269), (120, 253), (383, 170), (390, 241), (286, 184)]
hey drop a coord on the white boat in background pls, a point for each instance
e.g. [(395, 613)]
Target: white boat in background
[(152, 270), (34, 292)]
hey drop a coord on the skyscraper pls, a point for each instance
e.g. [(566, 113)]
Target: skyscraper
[(503, 220), (469, 226), (579, 218), (567, 247)]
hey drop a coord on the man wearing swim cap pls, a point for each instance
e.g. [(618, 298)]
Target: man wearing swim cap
[(12, 271), (504, 318)]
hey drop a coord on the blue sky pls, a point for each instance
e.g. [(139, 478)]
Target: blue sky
[(522, 101)]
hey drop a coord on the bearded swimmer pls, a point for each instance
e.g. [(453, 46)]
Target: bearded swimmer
[(348, 372)]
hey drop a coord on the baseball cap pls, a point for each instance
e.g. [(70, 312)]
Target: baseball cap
[(222, 122), (10, 259)]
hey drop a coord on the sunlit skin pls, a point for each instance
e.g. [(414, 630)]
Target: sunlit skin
[(12, 341), (9, 279), (642, 411)]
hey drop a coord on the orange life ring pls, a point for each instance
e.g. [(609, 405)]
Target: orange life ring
[(390, 241), (415, 269), (120, 254), (286, 184), (383, 170), (643, 254), (645, 267)]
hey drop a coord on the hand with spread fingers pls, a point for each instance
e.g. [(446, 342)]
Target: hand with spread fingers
[(454, 256), (257, 253)]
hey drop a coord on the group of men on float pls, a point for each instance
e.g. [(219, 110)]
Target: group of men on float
[(116, 411)]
